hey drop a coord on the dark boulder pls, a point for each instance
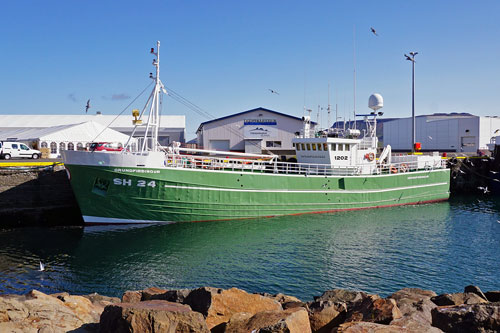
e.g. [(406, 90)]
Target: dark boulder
[(457, 299), (493, 296), (468, 318), (341, 296), (475, 290)]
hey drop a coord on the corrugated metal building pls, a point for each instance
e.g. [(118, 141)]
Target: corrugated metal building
[(253, 131), (172, 128), (454, 132)]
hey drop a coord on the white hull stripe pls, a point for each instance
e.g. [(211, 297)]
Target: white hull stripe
[(303, 191)]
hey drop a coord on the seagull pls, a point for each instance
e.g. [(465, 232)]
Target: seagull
[(430, 137), (374, 31), (484, 189), (88, 106), (274, 92), (42, 267), (494, 172), (461, 171)]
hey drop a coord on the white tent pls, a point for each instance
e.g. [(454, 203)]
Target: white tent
[(57, 138)]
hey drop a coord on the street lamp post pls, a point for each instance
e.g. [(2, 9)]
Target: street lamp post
[(412, 59)]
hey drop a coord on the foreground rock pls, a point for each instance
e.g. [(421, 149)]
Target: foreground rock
[(151, 316), (37, 311), (293, 320), (415, 306), (467, 318), (219, 305), (233, 310)]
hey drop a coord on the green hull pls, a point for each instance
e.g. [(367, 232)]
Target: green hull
[(107, 194)]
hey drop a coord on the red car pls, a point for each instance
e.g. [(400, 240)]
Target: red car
[(106, 146)]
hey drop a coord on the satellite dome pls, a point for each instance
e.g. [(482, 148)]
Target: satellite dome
[(375, 102)]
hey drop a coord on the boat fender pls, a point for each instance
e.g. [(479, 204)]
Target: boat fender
[(393, 169), (370, 157), (404, 167)]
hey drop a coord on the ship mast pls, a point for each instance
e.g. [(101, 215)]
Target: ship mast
[(150, 138)]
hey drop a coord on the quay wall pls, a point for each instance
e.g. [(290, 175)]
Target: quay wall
[(38, 196), (42, 196)]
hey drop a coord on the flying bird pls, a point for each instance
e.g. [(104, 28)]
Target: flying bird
[(430, 137), (484, 189), (374, 31), (42, 267), (274, 92), (493, 172), (88, 106)]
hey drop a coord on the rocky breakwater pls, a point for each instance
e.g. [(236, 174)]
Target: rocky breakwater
[(233, 310)]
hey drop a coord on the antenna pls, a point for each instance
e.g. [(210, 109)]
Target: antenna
[(354, 61), (329, 120)]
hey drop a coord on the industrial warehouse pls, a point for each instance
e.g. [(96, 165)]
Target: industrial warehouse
[(253, 131), (453, 132)]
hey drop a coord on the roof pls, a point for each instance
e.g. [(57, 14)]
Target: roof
[(84, 132), (252, 110), (40, 121)]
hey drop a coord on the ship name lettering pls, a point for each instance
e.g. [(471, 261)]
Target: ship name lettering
[(343, 158)]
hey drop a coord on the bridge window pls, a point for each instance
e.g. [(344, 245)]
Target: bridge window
[(325, 146), (313, 146), (341, 147), (333, 146), (320, 146), (308, 146), (347, 147), (303, 146), (297, 146)]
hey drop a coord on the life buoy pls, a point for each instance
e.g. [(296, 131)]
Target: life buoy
[(393, 169), (370, 157), (404, 167)]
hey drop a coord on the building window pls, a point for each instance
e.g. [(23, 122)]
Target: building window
[(62, 146), (71, 146), (44, 144), (273, 144), (53, 148), (79, 146)]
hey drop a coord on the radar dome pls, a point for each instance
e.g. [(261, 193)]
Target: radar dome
[(375, 102)]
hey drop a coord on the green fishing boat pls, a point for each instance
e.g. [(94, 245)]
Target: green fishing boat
[(335, 170)]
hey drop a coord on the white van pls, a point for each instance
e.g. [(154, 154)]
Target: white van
[(17, 149)]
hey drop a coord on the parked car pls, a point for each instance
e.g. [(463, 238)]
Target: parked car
[(106, 146), (17, 149)]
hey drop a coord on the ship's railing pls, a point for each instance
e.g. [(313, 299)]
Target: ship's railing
[(260, 165)]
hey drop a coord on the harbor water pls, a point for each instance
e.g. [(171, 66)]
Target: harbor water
[(442, 247)]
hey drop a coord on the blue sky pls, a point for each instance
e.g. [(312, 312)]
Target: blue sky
[(225, 55)]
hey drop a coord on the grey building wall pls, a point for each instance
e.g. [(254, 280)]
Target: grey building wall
[(237, 133), (442, 133)]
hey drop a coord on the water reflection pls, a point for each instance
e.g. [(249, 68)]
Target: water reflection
[(441, 246)]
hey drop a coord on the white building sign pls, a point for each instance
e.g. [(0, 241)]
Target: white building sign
[(260, 128)]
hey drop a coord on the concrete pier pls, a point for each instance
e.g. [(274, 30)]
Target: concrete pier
[(36, 195)]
